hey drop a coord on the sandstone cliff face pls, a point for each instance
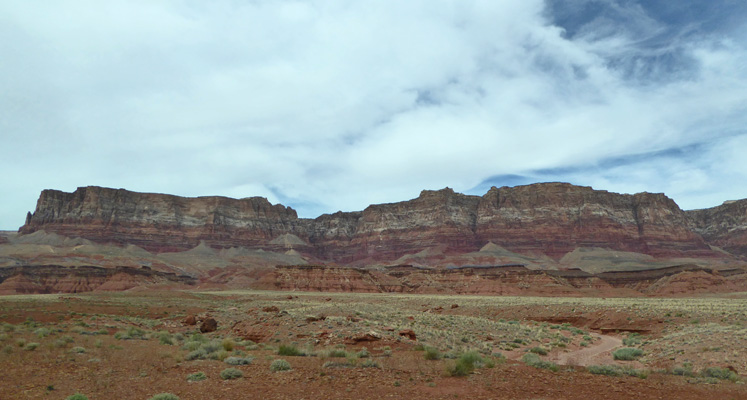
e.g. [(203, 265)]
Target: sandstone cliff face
[(550, 219), (724, 226), (34, 279), (158, 222), (510, 280)]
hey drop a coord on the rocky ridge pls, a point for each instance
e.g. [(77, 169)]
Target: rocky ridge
[(550, 219)]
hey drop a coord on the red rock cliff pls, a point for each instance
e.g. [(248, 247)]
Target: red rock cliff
[(724, 226), (549, 218)]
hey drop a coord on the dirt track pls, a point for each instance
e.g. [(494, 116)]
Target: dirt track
[(595, 354)]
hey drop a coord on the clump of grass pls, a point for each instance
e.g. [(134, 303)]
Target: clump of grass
[(77, 396), (719, 373), (432, 353), (31, 346), (238, 360), (465, 364), (196, 377), (205, 350), (289, 350), (228, 344), (627, 354), (21, 342), (78, 350), (231, 373), (42, 332), (166, 338), (684, 370), (538, 350), (363, 353), (632, 339), (130, 334), (370, 363), (280, 365), (165, 396), (614, 370), (339, 364), (533, 360)]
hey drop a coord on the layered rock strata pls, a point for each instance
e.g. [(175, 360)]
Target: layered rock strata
[(502, 280), (34, 279), (550, 219), (724, 226)]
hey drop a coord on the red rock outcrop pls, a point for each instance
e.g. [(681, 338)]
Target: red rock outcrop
[(504, 280), (547, 219), (58, 279), (724, 226)]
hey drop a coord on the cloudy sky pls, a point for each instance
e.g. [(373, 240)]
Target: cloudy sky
[(334, 105)]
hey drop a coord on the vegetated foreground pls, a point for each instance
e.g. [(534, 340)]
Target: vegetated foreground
[(293, 345)]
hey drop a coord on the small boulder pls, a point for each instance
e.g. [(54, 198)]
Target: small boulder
[(408, 333), (270, 309), (190, 320), (208, 325)]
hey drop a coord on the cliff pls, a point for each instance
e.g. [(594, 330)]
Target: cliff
[(548, 219), (511, 280), (724, 226)]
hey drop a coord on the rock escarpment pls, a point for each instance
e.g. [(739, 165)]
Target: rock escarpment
[(512, 280), (34, 279), (724, 226), (549, 219)]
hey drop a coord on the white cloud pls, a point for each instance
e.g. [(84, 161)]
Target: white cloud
[(336, 105)]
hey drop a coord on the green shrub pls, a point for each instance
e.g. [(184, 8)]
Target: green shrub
[(684, 370), (632, 339), (78, 350), (719, 373), (627, 354), (369, 363), (432, 353), (165, 338), (609, 370), (231, 373), (289, 350), (465, 364), (533, 360), (614, 370), (31, 346), (280, 365), (77, 396), (196, 377), (165, 396), (238, 360), (363, 353), (538, 350), (228, 344), (42, 332), (198, 354)]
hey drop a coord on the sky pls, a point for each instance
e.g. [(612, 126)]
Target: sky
[(335, 105)]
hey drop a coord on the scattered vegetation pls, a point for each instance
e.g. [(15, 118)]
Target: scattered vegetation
[(165, 396), (614, 370), (534, 360), (238, 360), (289, 350), (627, 354), (196, 377), (231, 373), (280, 365), (77, 396)]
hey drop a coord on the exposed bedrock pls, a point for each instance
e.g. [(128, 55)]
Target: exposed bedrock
[(549, 218)]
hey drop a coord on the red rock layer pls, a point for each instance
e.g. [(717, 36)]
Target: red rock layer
[(550, 218), (502, 280), (724, 226), (58, 279)]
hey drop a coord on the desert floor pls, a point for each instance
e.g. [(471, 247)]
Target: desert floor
[(134, 345)]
